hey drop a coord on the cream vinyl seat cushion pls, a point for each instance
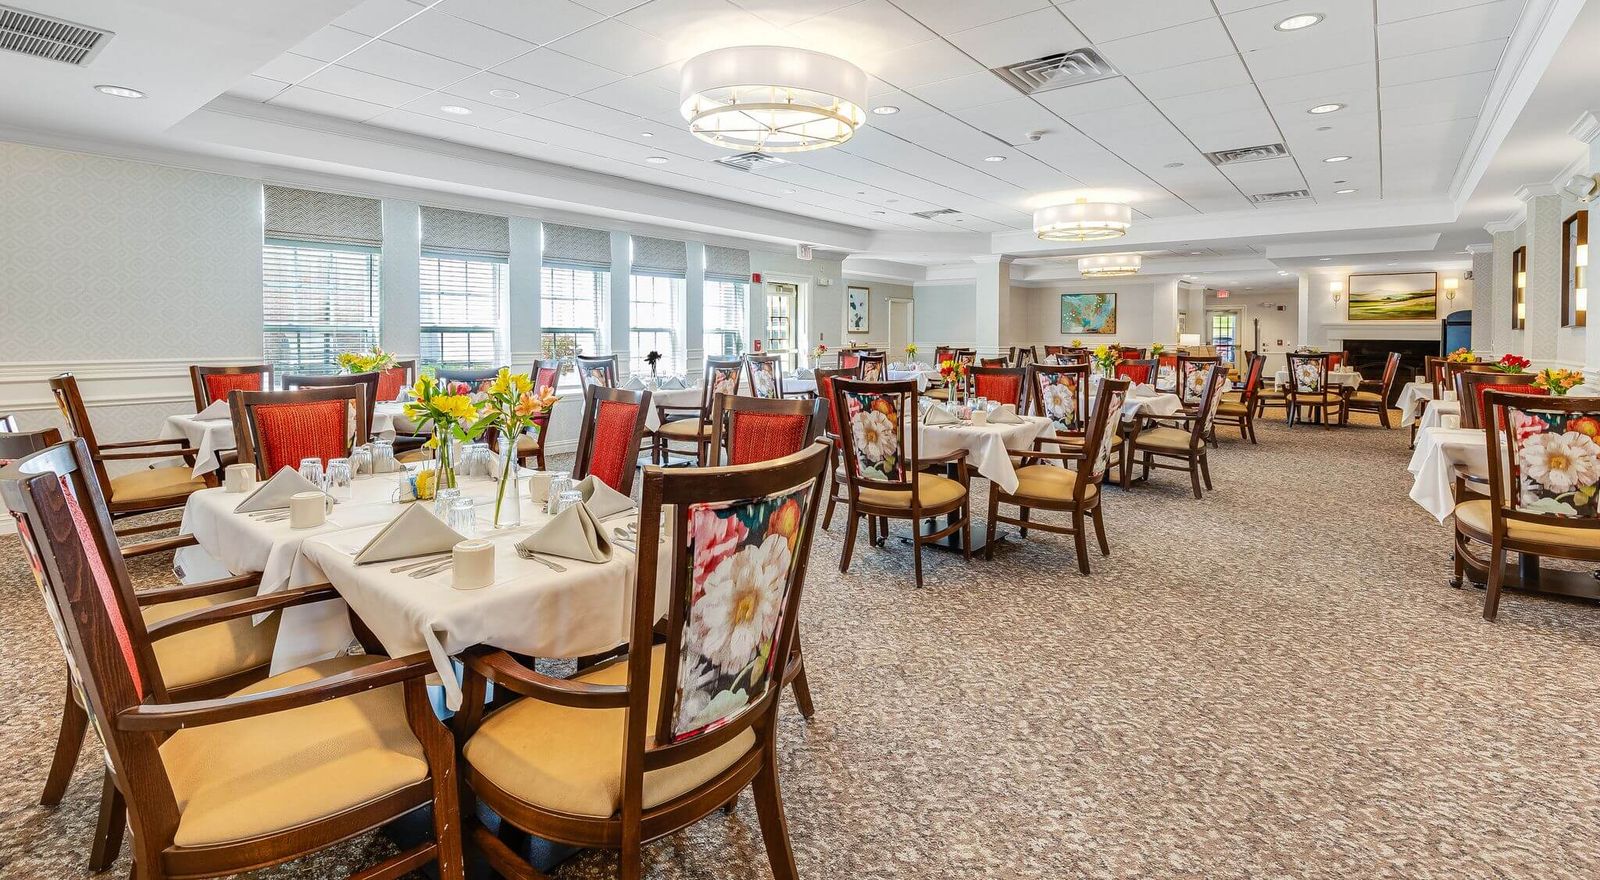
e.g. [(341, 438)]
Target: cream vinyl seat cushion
[(684, 429), (1477, 518), (210, 652), (1164, 440), (1367, 397), (153, 483), (933, 490), (1227, 408), (1049, 482), (254, 776), (569, 760)]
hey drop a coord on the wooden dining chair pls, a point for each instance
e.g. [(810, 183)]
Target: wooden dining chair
[(273, 772), (1309, 388), (1044, 486), (692, 424), (1337, 359), (994, 362), (212, 384), (635, 749), (1541, 502), (608, 440), (474, 379), (369, 383), (393, 381), (1136, 371), (1242, 413), (1130, 353), (147, 490), (1192, 372), (1182, 437), (764, 374), (1053, 350), (1000, 384), (1367, 400), (597, 371), (1061, 394), (885, 476), (849, 358), (1471, 386), (942, 353), (1167, 362), (1020, 356), (276, 429), (874, 366), (836, 479)]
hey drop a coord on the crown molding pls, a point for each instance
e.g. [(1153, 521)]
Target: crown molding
[(1586, 128), (1476, 249), (1510, 224), (1534, 190)]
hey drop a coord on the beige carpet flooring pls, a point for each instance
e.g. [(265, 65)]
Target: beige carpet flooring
[(1273, 682)]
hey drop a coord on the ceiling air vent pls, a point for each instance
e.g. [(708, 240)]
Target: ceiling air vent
[(44, 37), (751, 161), (1248, 154), (938, 212), (1292, 195), (1056, 71)]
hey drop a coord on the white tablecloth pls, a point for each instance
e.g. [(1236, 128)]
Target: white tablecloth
[(1441, 414), (1348, 378), (529, 609), (670, 397), (799, 384), (1433, 463), (211, 436), (1145, 400), (1412, 395), (987, 445)]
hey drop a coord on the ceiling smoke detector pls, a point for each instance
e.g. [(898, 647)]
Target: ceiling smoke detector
[(55, 39), (1248, 154), (1056, 71)]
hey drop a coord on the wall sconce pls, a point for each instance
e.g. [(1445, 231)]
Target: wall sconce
[(1337, 289), (1450, 286), (1580, 287)]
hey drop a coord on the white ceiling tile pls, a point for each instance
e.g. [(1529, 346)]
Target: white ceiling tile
[(257, 88), (1460, 27), (557, 72), (539, 22), (783, 13), (1106, 20), (457, 39), (1346, 22), (483, 115), (609, 7), (1102, 94), (950, 16), (418, 123), (1396, 10), (922, 63), (1320, 87), (1189, 79), (364, 86), (1460, 91), (1183, 44), (584, 114), (616, 46), (1453, 61), (289, 68), (962, 92), (1289, 60), (1010, 121), (329, 43), (313, 101), (376, 16), (1022, 38), (860, 32), (407, 65), (529, 96), (636, 96)]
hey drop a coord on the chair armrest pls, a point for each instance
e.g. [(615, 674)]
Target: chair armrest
[(149, 453), (145, 548), (198, 713), (129, 444), (241, 608), (504, 670), (180, 592), (955, 457)]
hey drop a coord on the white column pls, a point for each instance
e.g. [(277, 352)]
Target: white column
[(522, 311), (619, 317), (1164, 316), (1303, 316), (1587, 131), (694, 309), (399, 273), (1483, 293), (1543, 231), (992, 315), (1501, 338)]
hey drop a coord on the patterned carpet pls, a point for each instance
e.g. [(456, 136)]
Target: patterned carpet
[(1273, 682)]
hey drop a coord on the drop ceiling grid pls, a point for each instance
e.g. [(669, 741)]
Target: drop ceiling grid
[(1464, 41)]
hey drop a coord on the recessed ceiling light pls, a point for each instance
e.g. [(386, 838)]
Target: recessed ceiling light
[(646, 134), (505, 94), (1324, 128), (1325, 259), (119, 91), (1343, 192), (788, 192), (880, 212), (1173, 165), (994, 158), (886, 110), (455, 110), (656, 160), (1281, 272), (1299, 22), (1331, 159), (1326, 108), (1194, 253)]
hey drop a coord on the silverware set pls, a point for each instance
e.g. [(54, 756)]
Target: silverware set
[(430, 559), (278, 514)]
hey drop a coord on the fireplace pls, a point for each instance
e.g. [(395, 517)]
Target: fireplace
[(1368, 356)]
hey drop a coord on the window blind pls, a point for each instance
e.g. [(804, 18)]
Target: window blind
[(575, 245), (462, 312), (571, 300), (724, 316), (307, 215), (660, 256), (318, 302), (723, 263), (654, 326), (465, 232)]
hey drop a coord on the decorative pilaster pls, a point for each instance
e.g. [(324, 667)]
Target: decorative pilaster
[(618, 317), (1483, 294), (400, 274), (992, 316), (1501, 337), (1543, 239), (522, 310)]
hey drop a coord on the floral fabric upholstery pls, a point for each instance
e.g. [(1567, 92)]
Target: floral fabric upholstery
[(744, 565), (1555, 462), (764, 379), (755, 437), (390, 383), (1306, 375), (1000, 389), (872, 369), (724, 380), (1214, 404), (290, 432), (613, 433), (1061, 401), (1108, 433), (220, 385), (874, 424), (1138, 374), (1194, 380)]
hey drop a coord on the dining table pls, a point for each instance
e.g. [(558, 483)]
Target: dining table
[(1444, 413), (1413, 396), (1350, 379), (1439, 451), (989, 447), (209, 436)]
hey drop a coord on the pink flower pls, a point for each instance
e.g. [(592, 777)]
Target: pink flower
[(461, 388), (715, 538), (1524, 426)]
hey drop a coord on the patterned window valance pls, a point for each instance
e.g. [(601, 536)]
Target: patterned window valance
[(308, 215), (465, 232)]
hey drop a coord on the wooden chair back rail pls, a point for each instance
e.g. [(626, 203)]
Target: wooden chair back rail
[(998, 375), (202, 393), (770, 365), (64, 388), (725, 408), (16, 443), (1471, 388), (593, 396), (367, 381), (597, 370), (248, 438)]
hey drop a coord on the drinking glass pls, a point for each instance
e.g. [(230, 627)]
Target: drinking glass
[(442, 499), (981, 403), (361, 460), (558, 484), (383, 457), (311, 469), (341, 477), (570, 498), (463, 517)]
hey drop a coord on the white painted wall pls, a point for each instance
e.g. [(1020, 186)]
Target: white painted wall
[(1042, 307), (1278, 314), (878, 298), (944, 314)]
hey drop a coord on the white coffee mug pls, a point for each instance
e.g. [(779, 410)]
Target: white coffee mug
[(474, 564), (980, 417), (539, 486), (307, 510), (240, 478)]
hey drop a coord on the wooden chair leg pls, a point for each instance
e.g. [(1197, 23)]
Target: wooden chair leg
[(69, 742), (769, 811), (1100, 530), (631, 858), (1080, 540), (1497, 569), (916, 551), (1194, 474), (1023, 530), (854, 522), (966, 530), (1205, 471), (108, 826), (801, 687)]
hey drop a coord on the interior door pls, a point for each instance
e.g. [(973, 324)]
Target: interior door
[(781, 326), (899, 327)]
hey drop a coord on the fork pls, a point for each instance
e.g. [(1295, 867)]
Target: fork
[(553, 566), (432, 569)]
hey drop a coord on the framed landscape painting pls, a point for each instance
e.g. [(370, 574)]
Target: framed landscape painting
[(1403, 296), (1084, 314), (856, 310)]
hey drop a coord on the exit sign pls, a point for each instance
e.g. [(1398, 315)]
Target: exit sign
[(1222, 294)]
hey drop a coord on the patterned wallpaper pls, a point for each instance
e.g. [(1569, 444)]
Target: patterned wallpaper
[(111, 258)]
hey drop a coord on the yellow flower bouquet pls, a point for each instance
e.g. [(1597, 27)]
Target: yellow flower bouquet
[(374, 361), (454, 417), (1106, 359), (1557, 381), (511, 405), (1461, 356)]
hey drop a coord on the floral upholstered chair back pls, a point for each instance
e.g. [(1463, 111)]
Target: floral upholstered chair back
[(1545, 458), (1216, 379), (722, 377), (1060, 394), (1192, 374), (877, 438), (766, 377), (1308, 373), (1107, 417), (597, 372), (874, 367), (735, 589)]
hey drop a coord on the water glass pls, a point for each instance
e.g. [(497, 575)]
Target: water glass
[(981, 404), (361, 460), (442, 500), (311, 469), (568, 499), (383, 457), (341, 477), (463, 517), (558, 485)]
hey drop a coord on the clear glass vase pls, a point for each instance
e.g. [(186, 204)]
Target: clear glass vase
[(507, 499), (444, 467)]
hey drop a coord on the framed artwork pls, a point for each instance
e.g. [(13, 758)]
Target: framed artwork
[(1574, 268), (1086, 314), (857, 310), (1402, 296)]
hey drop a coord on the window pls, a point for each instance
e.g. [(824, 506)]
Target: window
[(780, 323), (725, 317), (463, 311), (319, 301), (653, 310), (1224, 333), (571, 307)]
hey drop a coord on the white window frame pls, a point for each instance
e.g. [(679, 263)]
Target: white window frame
[(496, 324), (292, 265), (676, 287), (596, 335), (737, 326)]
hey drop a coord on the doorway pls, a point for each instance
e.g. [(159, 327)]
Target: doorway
[(900, 327), (1224, 328), (782, 332)]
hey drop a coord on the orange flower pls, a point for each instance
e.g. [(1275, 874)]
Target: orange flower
[(785, 521), (1586, 425)]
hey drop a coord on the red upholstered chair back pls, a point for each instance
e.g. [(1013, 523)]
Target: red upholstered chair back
[(1138, 372), (753, 429), (608, 442), (212, 384), (396, 379), (825, 392), (276, 429), (849, 360), (1473, 385), (999, 384), (1129, 353), (942, 353), (1336, 359), (546, 374), (994, 362)]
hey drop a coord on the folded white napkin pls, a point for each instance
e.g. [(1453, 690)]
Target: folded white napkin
[(672, 383), (274, 493), (804, 373), (634, 383), (1144, 389), (602, 500), (938, 415), (573, 534), (415, 532), (1005, 415), (216, 411)]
